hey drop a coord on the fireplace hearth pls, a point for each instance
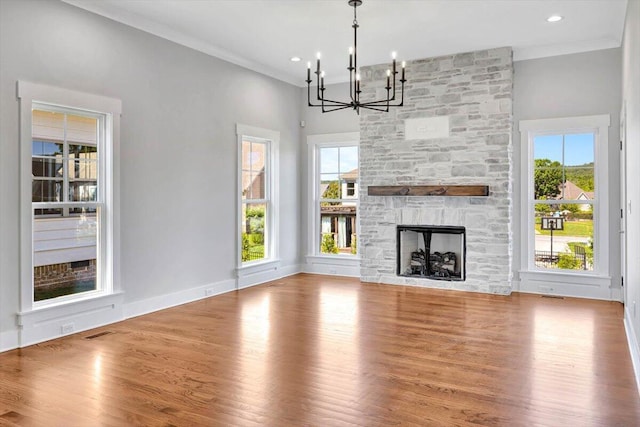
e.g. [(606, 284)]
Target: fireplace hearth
[(431, 252)]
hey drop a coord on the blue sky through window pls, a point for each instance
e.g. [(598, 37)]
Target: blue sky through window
[(578, 148), (335, 161)]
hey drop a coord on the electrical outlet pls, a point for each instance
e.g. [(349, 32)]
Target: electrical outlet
[(333, 271), (545, 289), (208, 292), (67, 328)]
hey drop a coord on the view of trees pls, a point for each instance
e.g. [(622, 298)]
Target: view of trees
[(332, 192), (548, 179), (253, 236), (549, 175)]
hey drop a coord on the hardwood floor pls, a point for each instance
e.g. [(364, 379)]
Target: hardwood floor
[(324, 351)]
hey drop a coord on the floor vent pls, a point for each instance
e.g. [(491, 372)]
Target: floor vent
[(552, 296), (98, 335)]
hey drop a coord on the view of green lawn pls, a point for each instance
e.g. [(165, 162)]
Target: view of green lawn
[(579, 228)]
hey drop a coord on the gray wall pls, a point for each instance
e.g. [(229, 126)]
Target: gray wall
[(631, 96), (564, 86), (178, 156)]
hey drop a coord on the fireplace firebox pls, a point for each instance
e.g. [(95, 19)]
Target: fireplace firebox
[(431, 252)]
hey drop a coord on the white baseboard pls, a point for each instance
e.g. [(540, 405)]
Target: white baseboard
[(268, 275), (47, 323), (9, 340), (634, 349), (149, 305)]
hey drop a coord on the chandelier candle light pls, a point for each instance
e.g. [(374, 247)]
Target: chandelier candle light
[(329, 105)]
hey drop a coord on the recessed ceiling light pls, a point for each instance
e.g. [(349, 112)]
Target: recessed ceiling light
[(294, 59), (554, 18)]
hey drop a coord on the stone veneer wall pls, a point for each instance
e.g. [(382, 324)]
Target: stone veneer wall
[(475, 90)]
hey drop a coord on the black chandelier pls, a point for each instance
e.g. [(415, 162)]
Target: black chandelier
[(329, 105)]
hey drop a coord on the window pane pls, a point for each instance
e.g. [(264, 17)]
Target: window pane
[(253, 170), (46, 167), (329, 160), (548, 147), (579, 167), (330, 187), (84, 169), (64, 255), (254, 218), (246, 185), (568, 248), (82, 129), (46, 190), (46, 149), (338, 228), (258, 185), (348, 160), (47, 125), (548, 179), (83, 191), (83, 151)]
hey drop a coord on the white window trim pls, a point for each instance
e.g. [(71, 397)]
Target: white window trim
[(28, 94), (599, 277), (272, 234), (314, 256)]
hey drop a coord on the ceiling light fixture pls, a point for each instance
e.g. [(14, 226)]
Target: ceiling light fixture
[(294, 59), (329, 105), (554, 18)]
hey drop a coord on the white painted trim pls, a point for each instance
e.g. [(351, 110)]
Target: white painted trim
[(598, 124), (257, 267), (634, 348), (332, 265), (272, 232), (566, 284), (344, 139), (47, 323), (263, 276), (162, 302)]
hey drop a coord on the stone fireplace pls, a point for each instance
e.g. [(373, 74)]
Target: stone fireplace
[(462, 105)]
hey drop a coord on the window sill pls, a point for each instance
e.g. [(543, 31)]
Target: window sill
[(257, 267), (71, 304)]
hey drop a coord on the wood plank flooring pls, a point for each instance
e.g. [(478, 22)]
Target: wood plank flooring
[(322, 351)]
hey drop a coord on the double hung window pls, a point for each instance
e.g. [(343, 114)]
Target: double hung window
[(257, 154), (565, 201), (68, 213)]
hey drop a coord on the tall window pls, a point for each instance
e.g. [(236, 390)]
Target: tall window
[(65, 200), (67, 195), (566, 210), (564, 195), (257, 213), (337, 199)]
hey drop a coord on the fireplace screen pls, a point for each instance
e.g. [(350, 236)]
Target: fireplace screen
[(431, 252)]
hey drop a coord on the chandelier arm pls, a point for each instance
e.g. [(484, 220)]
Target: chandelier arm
[(336, 108)]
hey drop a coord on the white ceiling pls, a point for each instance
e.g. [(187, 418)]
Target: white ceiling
[(263, 34)]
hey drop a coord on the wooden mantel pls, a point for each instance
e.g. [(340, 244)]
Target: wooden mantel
[(428, 190)]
